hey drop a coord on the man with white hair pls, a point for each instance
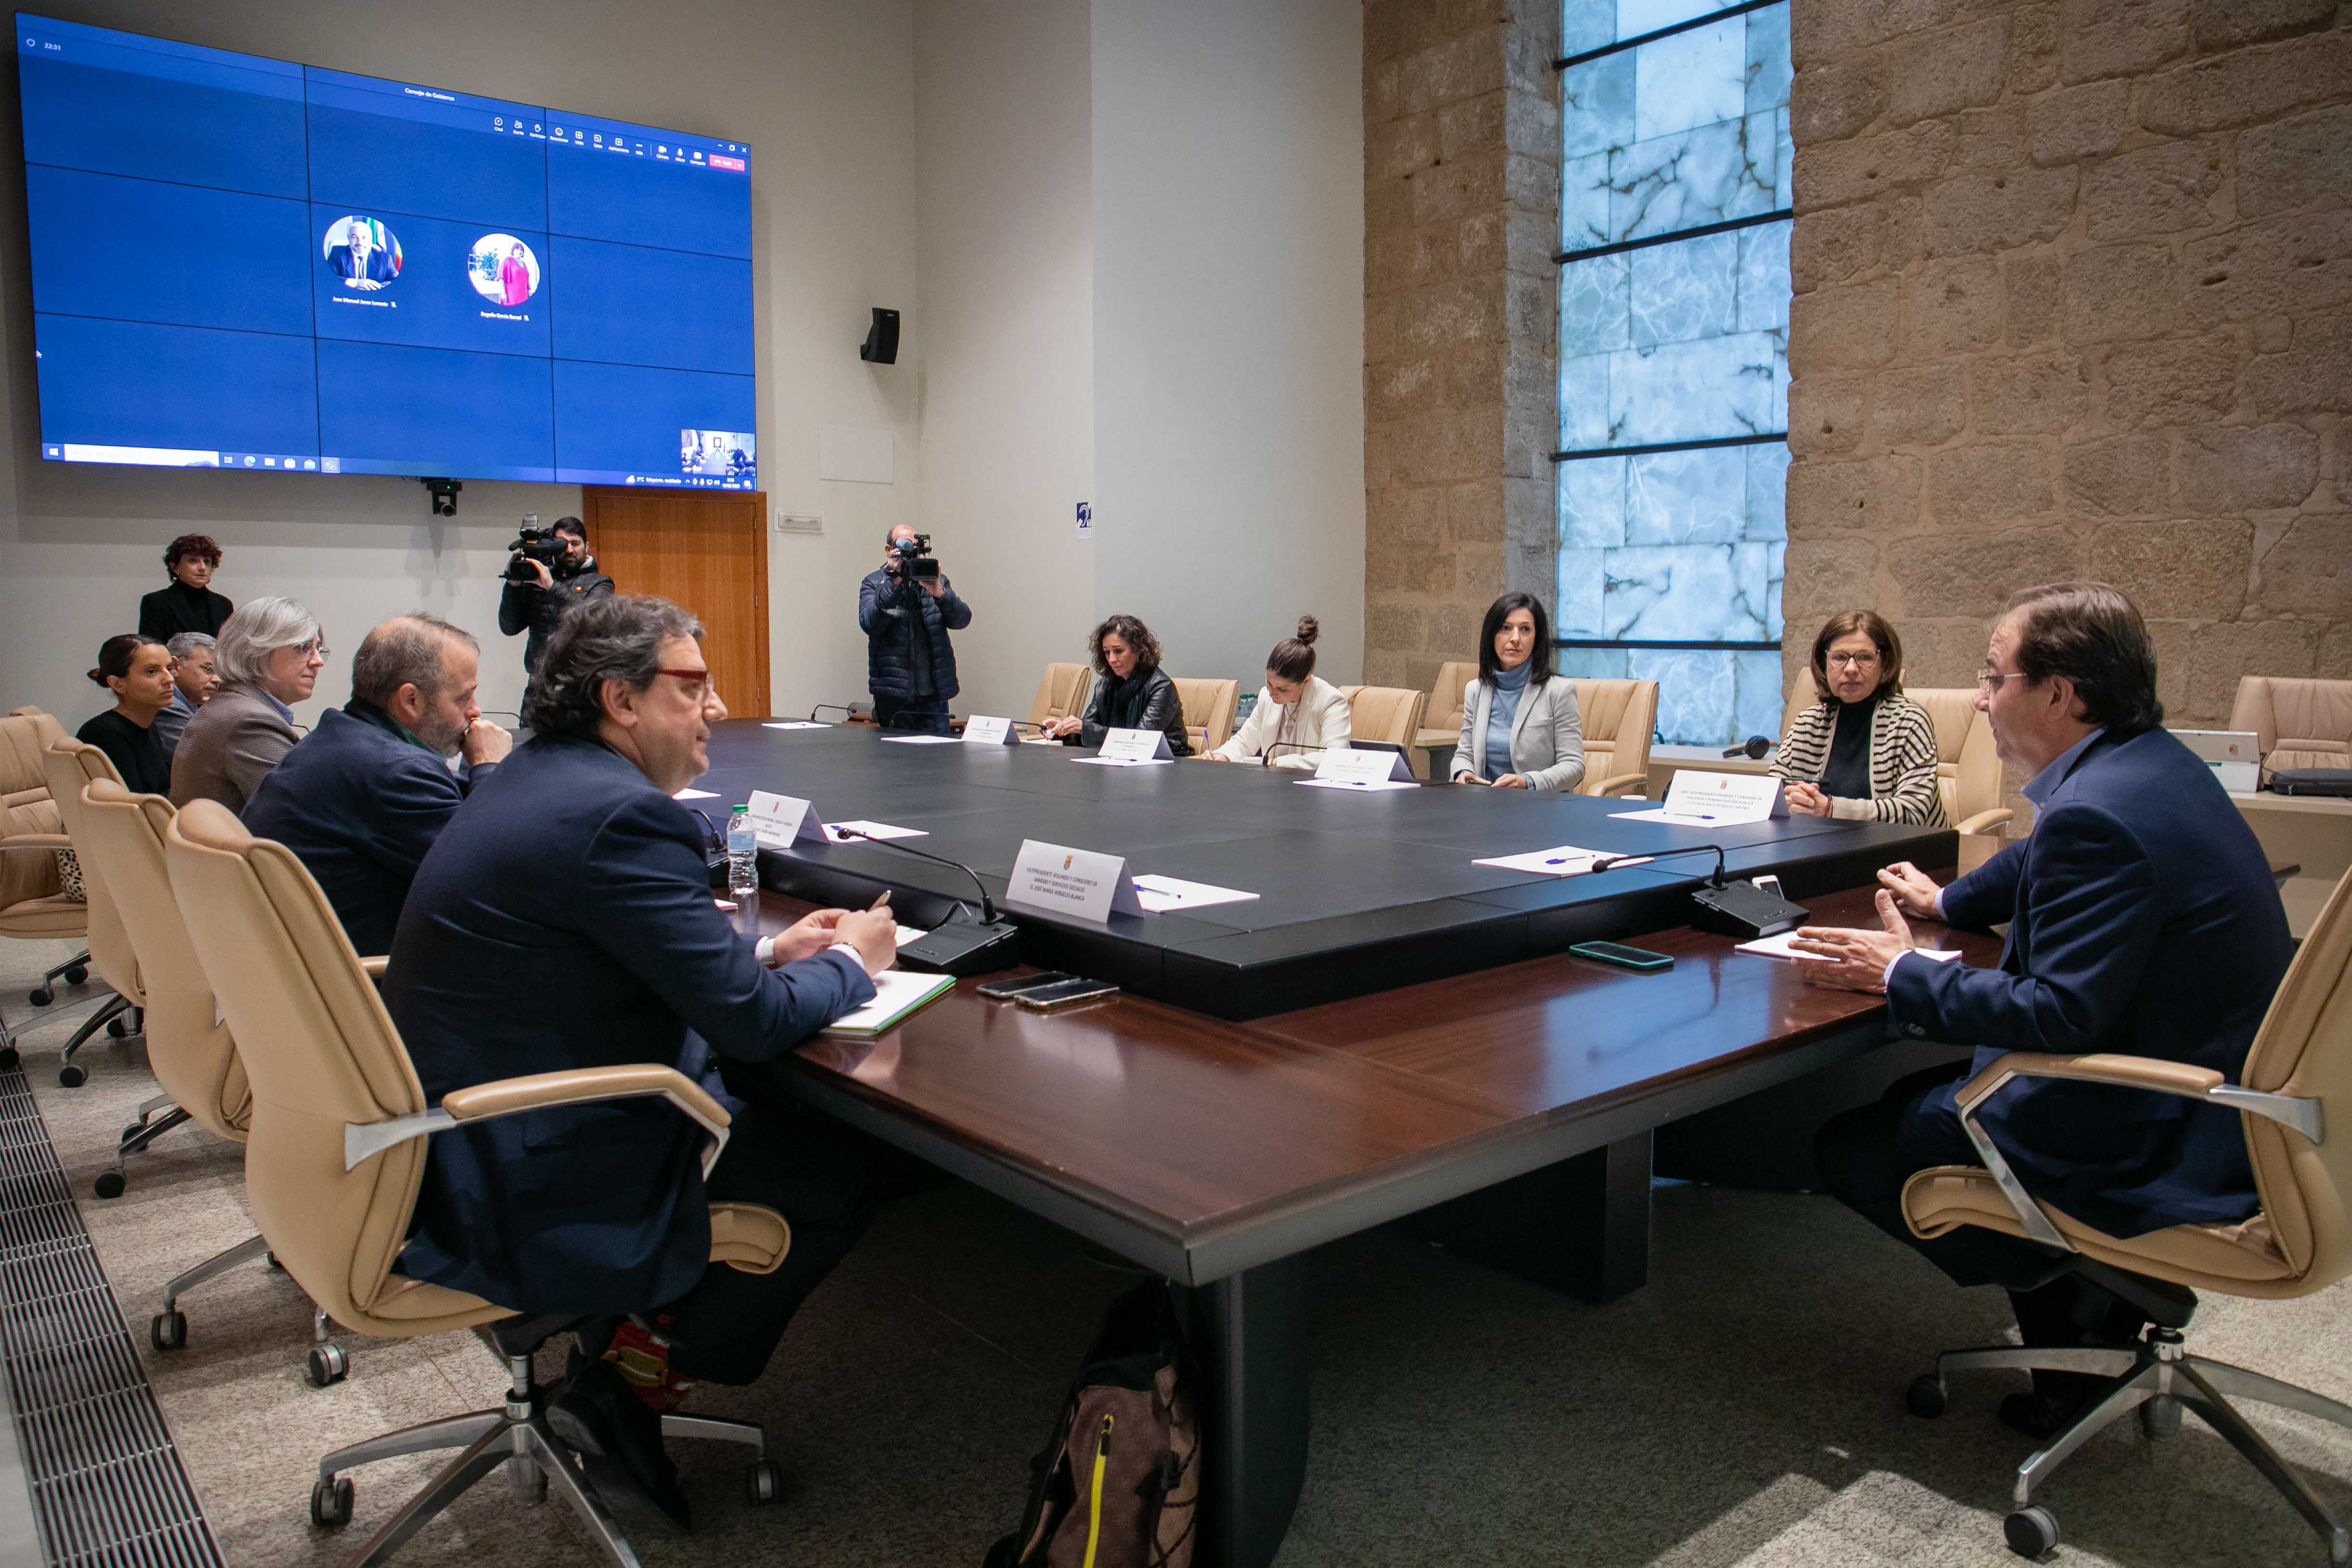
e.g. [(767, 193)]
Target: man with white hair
[(363, 795), (193, 680), (269, 656)]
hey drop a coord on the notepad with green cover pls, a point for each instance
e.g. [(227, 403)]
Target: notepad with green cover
[(896, 993)]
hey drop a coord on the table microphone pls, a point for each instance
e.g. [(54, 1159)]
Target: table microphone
[(1266, 756), (1735, 908), (845, 712), (957, 944), (1753, 747)]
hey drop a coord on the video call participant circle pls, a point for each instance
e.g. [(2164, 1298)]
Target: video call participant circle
[(362, 252), (502, 269)]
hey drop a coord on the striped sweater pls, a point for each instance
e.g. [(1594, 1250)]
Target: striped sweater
[(1901, 761)]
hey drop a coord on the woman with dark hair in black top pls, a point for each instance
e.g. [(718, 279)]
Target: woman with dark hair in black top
[(188, 604), (1131, 690), (138, 670)]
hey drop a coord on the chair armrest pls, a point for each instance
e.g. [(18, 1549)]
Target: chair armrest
[(1621, 783), (374, 967), (47, 844), (542, 1090), (1993, 817), (2180, 1079)]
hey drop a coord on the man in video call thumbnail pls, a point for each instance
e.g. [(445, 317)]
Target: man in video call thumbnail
[(362, 260)]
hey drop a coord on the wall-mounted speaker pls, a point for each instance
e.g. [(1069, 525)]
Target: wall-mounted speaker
[(881, 345)]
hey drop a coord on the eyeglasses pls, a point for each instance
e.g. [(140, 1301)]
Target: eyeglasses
[(315, 648), (697, 681), (1989, 679), (1859, 661)]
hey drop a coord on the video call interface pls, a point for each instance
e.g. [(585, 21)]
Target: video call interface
[(243, 263)]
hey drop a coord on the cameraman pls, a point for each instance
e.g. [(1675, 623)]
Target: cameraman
[(910, 666), (535, 601)]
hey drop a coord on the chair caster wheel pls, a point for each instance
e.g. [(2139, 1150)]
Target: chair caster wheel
[(330, 1503), (1925, 1397), (9, 1060), (116, 1029), (760, 1482), (109, 1184), (325, 1365), (41, 998), (73, 1075), (2032, 1532), (169, 1331), (76, 974), (2160, 1417)]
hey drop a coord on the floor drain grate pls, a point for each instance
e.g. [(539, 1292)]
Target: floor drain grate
[(107, 1486)]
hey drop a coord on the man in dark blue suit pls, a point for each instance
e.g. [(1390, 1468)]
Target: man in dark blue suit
[(563, 919), (2142, 920), (362, 797)]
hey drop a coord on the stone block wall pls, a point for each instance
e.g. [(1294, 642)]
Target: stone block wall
[(2073, 298), (1462, 155)]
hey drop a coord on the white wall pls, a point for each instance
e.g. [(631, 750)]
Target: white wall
[(1004, 330), (1228, 330), (823, 92)]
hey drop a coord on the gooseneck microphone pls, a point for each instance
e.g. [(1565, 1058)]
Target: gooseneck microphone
[(1607, 862), (1753, 747), (845, 712), (957, 945)]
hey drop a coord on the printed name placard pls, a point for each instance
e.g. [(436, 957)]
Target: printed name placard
[(1345, 766), (981, 729), (1079, 885), (1701, 797), (1134, 746), (780, 822)]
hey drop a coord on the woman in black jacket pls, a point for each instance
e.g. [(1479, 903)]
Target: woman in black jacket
[(137, 671), (1131, 690), (188, 604)]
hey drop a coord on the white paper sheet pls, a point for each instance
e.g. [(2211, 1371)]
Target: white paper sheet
[(792, 723), (922, 740), (1660, 814), (695, 795), (872, 830), (1159, 895), (1127, 762), (1364, 785), (1565, 860), (910, 933), (895, 991), (1778, 947)]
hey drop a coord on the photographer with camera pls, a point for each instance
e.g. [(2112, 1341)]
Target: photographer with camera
[(907, 611), (550, 572)]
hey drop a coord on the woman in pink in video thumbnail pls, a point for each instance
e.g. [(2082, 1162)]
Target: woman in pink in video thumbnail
[(514, 279)]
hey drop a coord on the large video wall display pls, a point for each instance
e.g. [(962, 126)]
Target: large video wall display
[(237, 262)]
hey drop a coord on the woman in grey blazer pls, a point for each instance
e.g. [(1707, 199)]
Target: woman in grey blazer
[(269, 654), (1519, 729)]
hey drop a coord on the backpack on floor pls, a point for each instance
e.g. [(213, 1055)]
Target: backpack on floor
[(1116, 1484)]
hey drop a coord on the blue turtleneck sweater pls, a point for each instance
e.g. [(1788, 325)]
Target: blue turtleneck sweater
[(1510, 685)]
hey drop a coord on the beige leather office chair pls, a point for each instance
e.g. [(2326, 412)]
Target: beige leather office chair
[(2301, 723), (335, 1155), (1208, 711), (1061, 693), (1619, 718), (1968, 767), (68, 766), (2294, 1101), (1441, 720), (1389, 714), (34, 904)]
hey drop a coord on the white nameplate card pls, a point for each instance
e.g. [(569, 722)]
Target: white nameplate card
[(981, 729), (792, 723), (1345, 766), (1077, 885), (1566, 860), (780, 822), (1716, 797), (1133, 746)]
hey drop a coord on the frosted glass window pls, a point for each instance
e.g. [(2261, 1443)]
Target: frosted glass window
[(1673, 357)]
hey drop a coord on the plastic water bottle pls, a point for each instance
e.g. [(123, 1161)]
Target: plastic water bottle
[(743, 869)]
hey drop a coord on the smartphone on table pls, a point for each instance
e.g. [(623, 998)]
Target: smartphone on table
[(1625, 958), (1067, 993), (1006, 989)]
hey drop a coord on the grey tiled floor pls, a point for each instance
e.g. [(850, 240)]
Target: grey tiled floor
[(1742, 1409)]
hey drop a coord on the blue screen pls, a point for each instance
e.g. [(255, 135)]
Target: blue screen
[(240, 262)]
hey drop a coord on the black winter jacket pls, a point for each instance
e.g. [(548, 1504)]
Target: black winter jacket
[(888, 613), (1145, 700), (527, 607)]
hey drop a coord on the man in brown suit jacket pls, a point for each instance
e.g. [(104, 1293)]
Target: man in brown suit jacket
[(268, 656)]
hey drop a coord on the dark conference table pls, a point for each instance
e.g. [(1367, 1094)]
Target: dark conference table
[(1401, 1037)]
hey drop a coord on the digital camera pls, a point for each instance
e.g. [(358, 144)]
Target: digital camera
[(914, 559), (542, 545)]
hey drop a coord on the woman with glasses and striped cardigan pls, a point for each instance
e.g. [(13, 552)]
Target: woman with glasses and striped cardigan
[(1865, 752)]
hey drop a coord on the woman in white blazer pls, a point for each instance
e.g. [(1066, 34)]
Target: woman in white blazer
[(1519, 729), (1298, 717)]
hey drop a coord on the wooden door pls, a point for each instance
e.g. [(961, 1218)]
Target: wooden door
[(705, 551)]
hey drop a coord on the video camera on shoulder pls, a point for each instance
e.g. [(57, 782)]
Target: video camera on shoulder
[(914, 556), (544, 546)]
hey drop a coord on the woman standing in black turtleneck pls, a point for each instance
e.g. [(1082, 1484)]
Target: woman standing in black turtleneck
[(189, 604)]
